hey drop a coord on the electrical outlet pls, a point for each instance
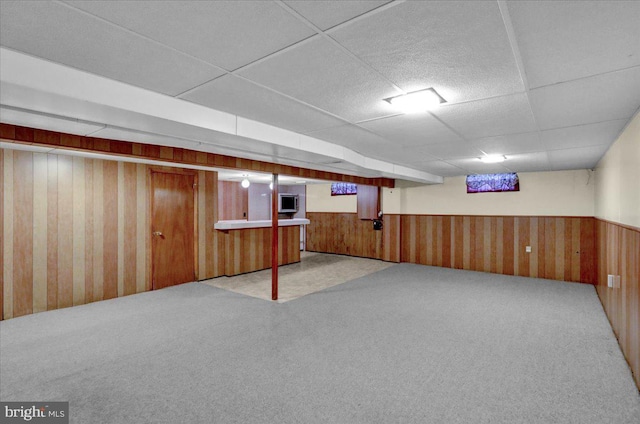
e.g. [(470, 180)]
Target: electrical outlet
[(527, 249), (610, 281)]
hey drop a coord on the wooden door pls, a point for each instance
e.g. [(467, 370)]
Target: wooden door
[(172, 229)]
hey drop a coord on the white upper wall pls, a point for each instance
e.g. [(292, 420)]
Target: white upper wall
[(558, 193), (319, 199), (618, 178)]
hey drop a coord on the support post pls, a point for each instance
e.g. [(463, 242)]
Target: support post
[(274, 238)]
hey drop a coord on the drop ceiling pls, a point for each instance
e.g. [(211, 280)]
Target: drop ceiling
[(548, 84)]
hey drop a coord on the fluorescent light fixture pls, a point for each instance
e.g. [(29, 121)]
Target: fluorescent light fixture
[(493, 158), (245, 183), (417, 101)]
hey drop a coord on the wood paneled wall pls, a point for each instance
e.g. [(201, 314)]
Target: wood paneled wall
[(233, 201), (247, 250), (368, 202), (346, 234), (38, 137), (76, 230), (562, 248), (618, 250)]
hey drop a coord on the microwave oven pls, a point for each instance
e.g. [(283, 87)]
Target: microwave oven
[(287, 203)]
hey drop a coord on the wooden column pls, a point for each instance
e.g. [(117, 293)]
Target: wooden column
[(274, 238)]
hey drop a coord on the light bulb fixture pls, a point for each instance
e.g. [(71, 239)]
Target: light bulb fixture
[(493, 158), (271, 185), (416, 101), (245, 183)]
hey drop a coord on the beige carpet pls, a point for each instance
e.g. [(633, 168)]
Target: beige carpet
[(314, 272)]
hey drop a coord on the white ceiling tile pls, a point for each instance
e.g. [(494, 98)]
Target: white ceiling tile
[(239, 97), (491, 117), (451, 150), (578, 158), (399, 155), (475, 166), (583, 135), (326, 14), (441, 168), (510, 144), (319, 73), (354, 138), (61, 34), (599, 98), (565, 40), (411, 129), (527, 162), (229, 34), (459, 48)]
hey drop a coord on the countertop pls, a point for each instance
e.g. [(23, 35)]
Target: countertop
[(243, 224)]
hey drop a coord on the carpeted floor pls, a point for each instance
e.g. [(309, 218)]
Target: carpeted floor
[(408, 344)]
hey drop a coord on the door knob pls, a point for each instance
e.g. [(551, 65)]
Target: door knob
[(158, 233)]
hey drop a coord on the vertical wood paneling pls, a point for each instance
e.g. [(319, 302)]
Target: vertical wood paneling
[(65, 231), (493, 249), (98, 230), (143, 283), (7, 241), (120, 228), (446, 241), (524, 239), (78, 205), (233, 201), (130, 227), (246, 252), (202, 238), (618, 253), (88, 230), (110, 225), (39, 232), (535, 247), (22, 233), (508, 236), (74, 230), (2, 189), (210, 205), (52, 232), (502, 241), (367, 202)]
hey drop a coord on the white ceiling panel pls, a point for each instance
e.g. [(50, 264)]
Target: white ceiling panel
[(583, 135), (228, 34), (61, 34), (527, 162), (491, 117), (441, 168), (595, 99), (459, 48), (412, 130), (475, 166), (319, 73), (237, 96), (326, 14), (548, 84), (451, 150), (354, 138), (578, 158), (510, 144), (565, 40)]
